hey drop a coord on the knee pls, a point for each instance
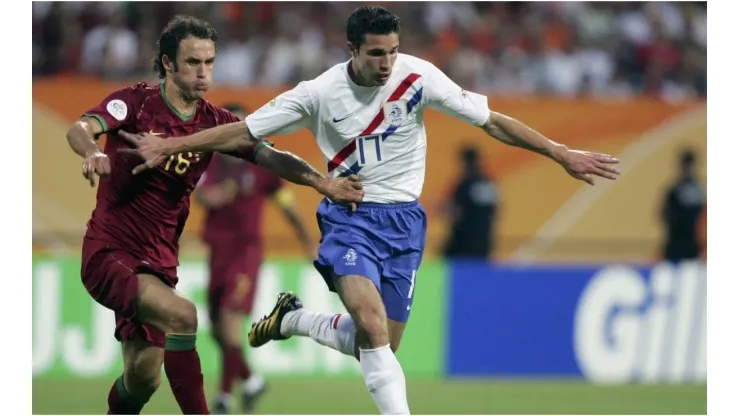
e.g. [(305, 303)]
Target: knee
[(184, 318), (371, 321)]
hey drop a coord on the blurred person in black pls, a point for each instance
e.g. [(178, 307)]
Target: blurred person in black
[(683, 204), (471, 210)]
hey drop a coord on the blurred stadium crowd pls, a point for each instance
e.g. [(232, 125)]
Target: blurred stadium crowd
[(613, 49)]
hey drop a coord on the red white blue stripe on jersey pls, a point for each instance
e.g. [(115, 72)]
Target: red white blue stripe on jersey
[(351, 147)]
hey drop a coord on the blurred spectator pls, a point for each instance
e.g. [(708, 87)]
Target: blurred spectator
[(683, 205), (471, 211), (110, 49), (610, 49)]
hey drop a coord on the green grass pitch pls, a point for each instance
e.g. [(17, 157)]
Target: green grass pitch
[(349, 396)]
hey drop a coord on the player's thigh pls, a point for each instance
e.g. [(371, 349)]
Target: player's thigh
[(142, 365), (109, 277), (162, 307)]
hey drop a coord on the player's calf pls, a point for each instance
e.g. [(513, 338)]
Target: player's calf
[(141, 377)]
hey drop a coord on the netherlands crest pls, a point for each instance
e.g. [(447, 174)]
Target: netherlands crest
[(395, 112)]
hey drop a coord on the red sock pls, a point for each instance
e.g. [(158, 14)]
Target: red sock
[(228, 370), (240, 363), (233, 365), (120, 402), (182, 366)]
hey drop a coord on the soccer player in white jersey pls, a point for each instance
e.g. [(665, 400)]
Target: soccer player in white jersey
[(367, 117)]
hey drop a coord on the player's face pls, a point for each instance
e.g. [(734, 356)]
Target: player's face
[(195, 60), (376, 57)]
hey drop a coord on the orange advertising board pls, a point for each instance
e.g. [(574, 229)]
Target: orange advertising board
[(545, 214)]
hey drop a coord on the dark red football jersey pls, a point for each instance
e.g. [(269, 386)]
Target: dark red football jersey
[(242, 218), (145, 214)]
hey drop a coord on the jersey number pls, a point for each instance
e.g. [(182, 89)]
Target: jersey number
[(179, 163), (370, 148)]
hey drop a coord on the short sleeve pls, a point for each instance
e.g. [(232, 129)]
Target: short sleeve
[(117, 109), (287, 113), (249, 153), (443, 94)]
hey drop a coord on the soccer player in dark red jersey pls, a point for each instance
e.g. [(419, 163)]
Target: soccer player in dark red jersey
[(129, 253), (234, 194)]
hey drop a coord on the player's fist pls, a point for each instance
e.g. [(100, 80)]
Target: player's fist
[(581, 165), (96, 163), (347, 191)]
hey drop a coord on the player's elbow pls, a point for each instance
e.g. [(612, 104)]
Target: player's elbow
[(80, 129), (268, 157)]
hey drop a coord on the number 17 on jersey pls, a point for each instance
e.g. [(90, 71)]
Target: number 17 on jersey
[(370, 149)]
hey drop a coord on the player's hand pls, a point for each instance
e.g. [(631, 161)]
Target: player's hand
[(582, 165), (149, 147), (96, 163), (346, 190)]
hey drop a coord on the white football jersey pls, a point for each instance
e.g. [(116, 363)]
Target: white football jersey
[(376, 132)]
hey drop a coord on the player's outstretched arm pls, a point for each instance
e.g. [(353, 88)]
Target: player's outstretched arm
[(294, 169), (579, 164), (154, 150), (81, 138), (224, 138), (443, 94)]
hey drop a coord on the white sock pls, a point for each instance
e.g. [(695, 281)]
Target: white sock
[(385, 379), (336, 331), (253, 384), (224, 398)]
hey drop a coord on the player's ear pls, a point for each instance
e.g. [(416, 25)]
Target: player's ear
[(352, 50), (167, 63)]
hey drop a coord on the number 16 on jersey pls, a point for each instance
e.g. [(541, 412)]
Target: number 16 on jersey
[(370, 149)]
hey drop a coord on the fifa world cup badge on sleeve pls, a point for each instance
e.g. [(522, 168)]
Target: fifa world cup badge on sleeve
[(117, 109), (395, 112)]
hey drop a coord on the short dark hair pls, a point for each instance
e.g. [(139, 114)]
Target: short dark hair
[(177, 29), (373, 20), (687, 158), (469, 154), (235, 108)]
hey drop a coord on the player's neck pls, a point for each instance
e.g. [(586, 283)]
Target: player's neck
[(175, 100), (354, 75)]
